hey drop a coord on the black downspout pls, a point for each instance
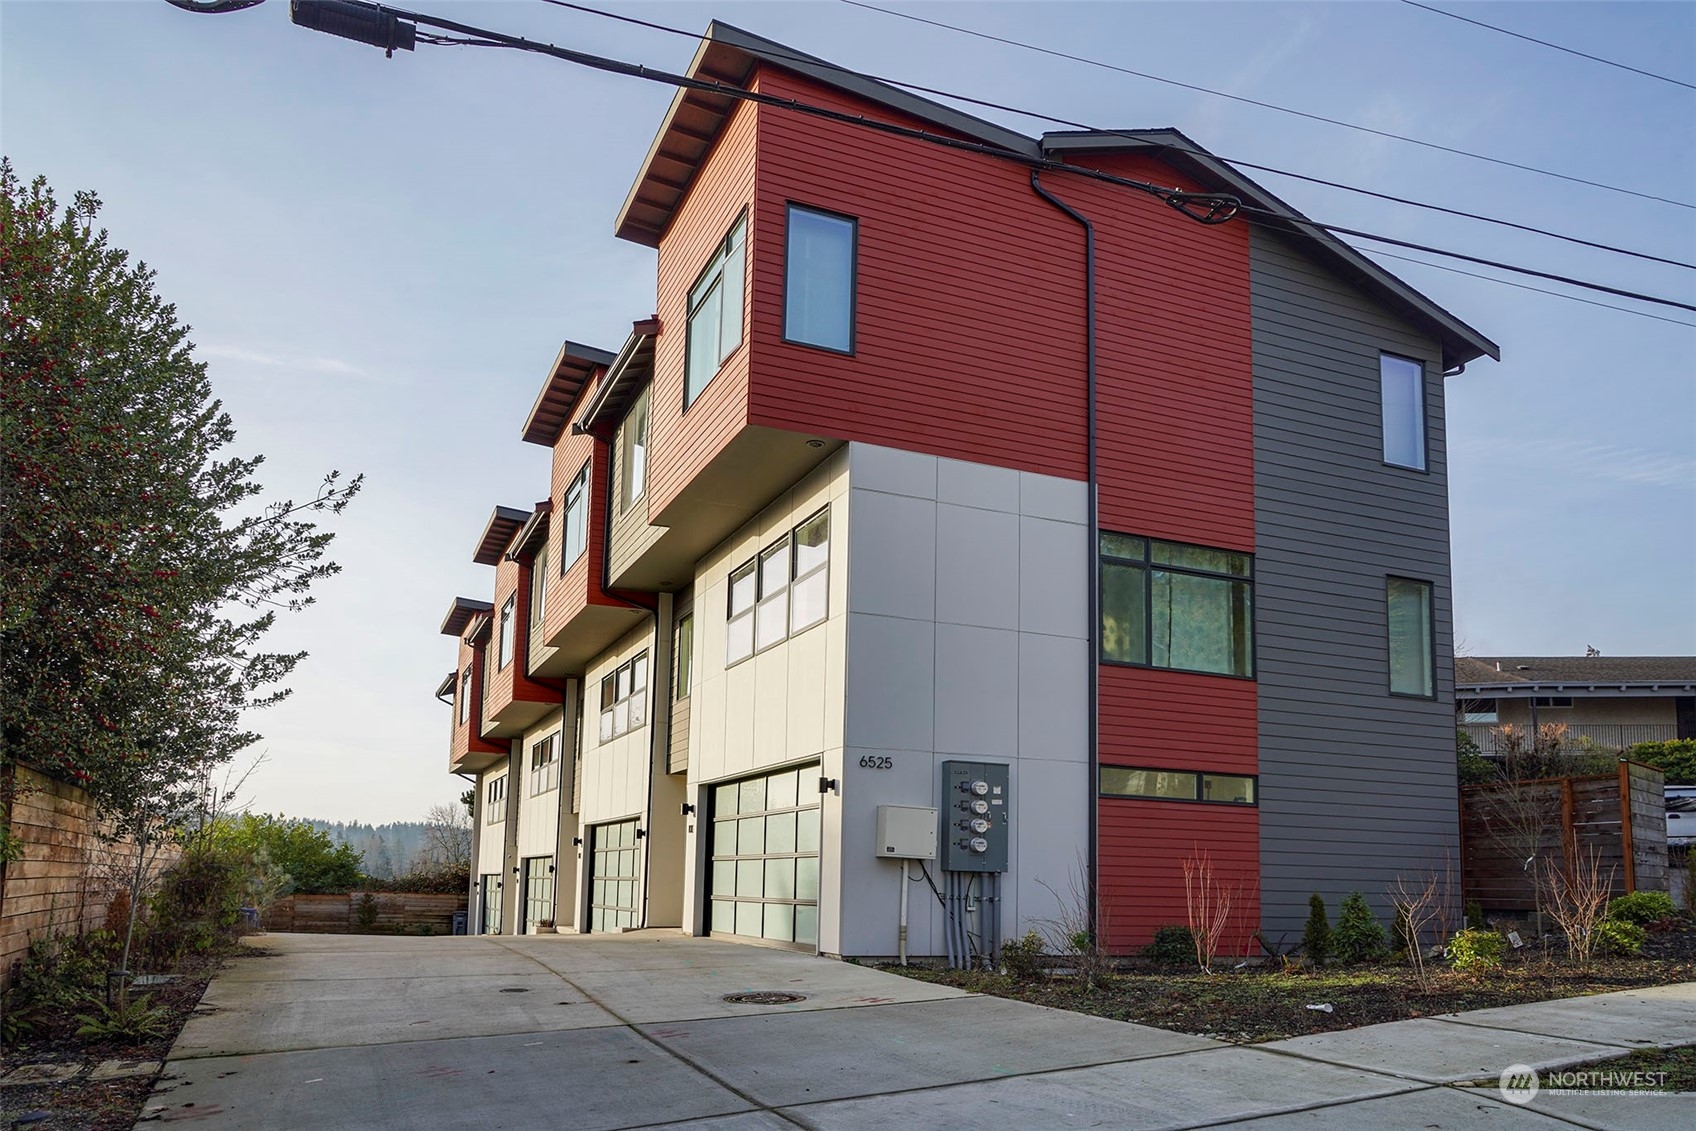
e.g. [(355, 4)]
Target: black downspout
[(1094, 551)]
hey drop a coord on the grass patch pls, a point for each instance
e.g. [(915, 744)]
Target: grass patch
[(1251, 1006)]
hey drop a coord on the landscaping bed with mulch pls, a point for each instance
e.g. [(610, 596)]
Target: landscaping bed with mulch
[(55, 1080), (1263, 1004)]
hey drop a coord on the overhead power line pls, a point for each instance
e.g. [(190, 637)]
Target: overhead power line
[(1267, 105), (1529, 287), (373, 24), (1546, 43)]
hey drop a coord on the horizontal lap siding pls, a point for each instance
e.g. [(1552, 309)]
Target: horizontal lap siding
[(682, 443), (1143, 848), (510, 683), (580, 586), (466, 736), (1357, 786), (970, 297), (1176, 720)]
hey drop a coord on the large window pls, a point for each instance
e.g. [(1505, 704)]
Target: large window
[(624, 697), (465, 695), (1177, 785), (574, 533), (494, 801), (684, 649), (783, 590), (506, 643), (539, 586), (818, 279), (1409, 605), (1167, 605), (1403, 390), (1480, 711), (544, 765), (633, 454), (715, 313)]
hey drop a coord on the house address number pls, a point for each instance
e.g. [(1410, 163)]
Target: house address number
[(877, 762)]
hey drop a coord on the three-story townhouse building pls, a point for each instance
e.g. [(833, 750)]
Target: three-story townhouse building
[(944, 479)]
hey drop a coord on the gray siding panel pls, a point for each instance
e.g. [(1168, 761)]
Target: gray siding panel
[(1356, 785), (677, 755), (628, 534)]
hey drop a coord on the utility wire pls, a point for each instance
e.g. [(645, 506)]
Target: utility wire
[(1546, 43), (1529, 287), (1205, 208), (1266, 105), (1050, 118)]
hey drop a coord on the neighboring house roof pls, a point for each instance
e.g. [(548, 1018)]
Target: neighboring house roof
[(729, 55), (497, 535), (460, 614), (571, 371), (1524, 675)]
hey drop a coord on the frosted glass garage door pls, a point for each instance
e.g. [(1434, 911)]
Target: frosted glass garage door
[(613, 859), (765, 858)]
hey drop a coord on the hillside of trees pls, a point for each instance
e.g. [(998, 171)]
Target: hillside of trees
[(385, 851)]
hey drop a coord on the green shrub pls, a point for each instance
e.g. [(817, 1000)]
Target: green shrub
[(134, 1020), (56, 976), (1477, 950), (197, 909), (1172, 946), (1358, 936), (1676, 759), (1316, 935), (1642, 907), (366, 912), (1024, 958), (1471, 767), (1475, 915), (1616, 936)]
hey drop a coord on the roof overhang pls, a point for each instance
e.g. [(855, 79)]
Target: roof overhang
[(460, 614), (1587, 689), (1461, 343), (447, 686), (497, 535), (533, 531), (692, 123), (479, 631), (632, 369), (572, 369)]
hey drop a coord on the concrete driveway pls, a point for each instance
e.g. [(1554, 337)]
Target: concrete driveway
[(634, 1031)]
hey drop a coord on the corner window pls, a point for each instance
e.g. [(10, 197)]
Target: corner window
[(624, 698), (506, 644), (1479, 711), (715, 313), (544, 765), (1409, 608), (818, 279), (1177, 785), (1167, 605), (633, 453), (783, 591), (1402, 386), (465, 696), (494, 801), (574, 533), (539, 586), (684, 649)]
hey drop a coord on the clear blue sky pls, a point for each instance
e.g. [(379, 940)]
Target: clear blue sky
[(380, 258)]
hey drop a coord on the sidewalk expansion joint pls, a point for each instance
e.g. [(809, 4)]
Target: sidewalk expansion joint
[(1524, 1032)]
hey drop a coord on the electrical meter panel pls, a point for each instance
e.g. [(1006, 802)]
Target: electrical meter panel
[(976, 810)]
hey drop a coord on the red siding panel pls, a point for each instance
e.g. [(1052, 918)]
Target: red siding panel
[(1143, 848), (1178, 720)]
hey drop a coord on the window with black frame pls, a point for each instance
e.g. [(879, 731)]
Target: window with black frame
[(1171, 605), (715, 313)]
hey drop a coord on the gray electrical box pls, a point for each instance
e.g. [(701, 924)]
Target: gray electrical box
[(976, 812), (906, 832)]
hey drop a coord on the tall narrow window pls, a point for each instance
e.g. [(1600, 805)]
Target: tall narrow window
[(771, 616), (1409, 606), (539, 586), (809, 595), (715, 313), (1168, 605), (685, 650), (634, 453), (1402, 384), (739, 629), (465, 696), (544, 765), (506, 642), (574, 535), (818, 279)]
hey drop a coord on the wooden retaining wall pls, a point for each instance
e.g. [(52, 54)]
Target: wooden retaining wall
[(397, 912), (1619, 819)]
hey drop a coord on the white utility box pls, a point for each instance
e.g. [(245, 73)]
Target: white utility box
[(906, 832)]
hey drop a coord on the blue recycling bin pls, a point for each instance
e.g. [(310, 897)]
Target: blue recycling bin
[(459, 922)]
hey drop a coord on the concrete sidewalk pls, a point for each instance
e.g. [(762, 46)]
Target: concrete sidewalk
[(634, 1031)]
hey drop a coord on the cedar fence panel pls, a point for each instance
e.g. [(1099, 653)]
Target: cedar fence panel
[(1510, 829), (397, 912)]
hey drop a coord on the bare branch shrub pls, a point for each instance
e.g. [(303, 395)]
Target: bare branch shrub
[(1208, 903), (1074, 932), (1418, 903), (1577, 899)]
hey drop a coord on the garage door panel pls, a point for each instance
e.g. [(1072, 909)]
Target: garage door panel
[(765, 867)]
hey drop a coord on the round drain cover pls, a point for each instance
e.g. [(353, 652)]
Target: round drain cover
[(514, 990), (764, 997)]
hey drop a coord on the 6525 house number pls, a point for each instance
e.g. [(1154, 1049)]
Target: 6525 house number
[(877, 762)]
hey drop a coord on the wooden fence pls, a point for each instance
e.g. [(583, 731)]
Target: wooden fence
[(392, 913), (1509, 830)]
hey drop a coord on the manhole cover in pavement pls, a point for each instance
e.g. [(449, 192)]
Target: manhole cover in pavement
[(514, 990), (764, 997)]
